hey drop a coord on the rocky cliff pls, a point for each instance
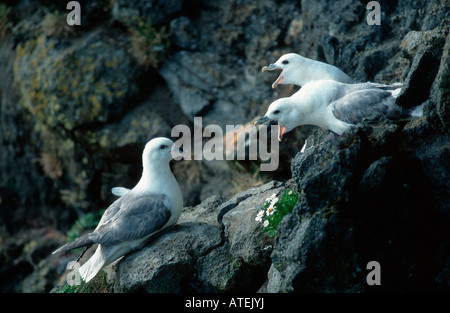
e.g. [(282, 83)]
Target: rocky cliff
[(79, 102)]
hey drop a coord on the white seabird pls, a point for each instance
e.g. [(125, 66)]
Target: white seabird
[(298, 70), (335, 106), (153, 204)]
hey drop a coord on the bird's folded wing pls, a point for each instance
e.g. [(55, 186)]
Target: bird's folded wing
[(138, 218), (357, 105), (110, 212)]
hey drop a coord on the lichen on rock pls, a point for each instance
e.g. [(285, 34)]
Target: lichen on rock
[(67, 87)]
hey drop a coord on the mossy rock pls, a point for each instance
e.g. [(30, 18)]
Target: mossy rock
[(68, 86)]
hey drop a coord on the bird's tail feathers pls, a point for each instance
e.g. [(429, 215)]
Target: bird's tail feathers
[(77, 243), (396, 92), (411, 113), (92, 266), (396, 85), (417, 111), (381, 86)]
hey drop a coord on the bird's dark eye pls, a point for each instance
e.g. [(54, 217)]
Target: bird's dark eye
[(285, 62), (276, 111), (161, 147)]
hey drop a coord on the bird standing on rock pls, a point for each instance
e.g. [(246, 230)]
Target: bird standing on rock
[(154, 204)]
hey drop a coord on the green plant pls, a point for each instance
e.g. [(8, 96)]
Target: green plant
[(149, 45), (5, 20), (97, 285), (68, 289), (275, 209)]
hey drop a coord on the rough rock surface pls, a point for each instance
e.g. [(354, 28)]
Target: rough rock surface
[(363, 204), (201, 254), (167, 265)]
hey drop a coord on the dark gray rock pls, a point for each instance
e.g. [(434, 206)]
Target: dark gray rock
[(424, 67), (243, 195), (440, 92), (247, 240), (159, 12), (168, 263), (359, 204), (203, 85), (433, 151), (190, 82), (221, 271), (204, 212), (183, 33)]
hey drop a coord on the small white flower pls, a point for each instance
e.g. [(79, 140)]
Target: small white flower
[(270, 210), (269, 199), (290, 192), (274, 201), (266, 223), (259, 216)]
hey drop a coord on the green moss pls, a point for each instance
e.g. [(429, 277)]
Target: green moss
[(98, 284), (280, 266)]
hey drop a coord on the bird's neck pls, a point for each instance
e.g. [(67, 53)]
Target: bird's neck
[(158, 179), (309, 110), (152, 176), (308, 70), (315, 70)]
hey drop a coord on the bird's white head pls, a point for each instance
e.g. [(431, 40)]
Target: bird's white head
[(290, 64), (157, 176), (280, 110), (158, 151)]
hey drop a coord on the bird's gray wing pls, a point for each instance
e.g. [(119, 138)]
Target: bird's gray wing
[(110, 212), (139, 216), (89, 239), (360, 104)]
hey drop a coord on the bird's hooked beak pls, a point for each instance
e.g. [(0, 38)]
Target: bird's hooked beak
[(279, 80), (263, 120), (281, 128), (281, 131), (272, 67)]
